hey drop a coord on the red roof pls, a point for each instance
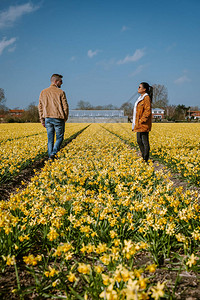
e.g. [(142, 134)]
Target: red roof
[(195, 113), (16, 110)]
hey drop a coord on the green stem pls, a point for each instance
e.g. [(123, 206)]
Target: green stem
[(177, 281), (18, 282), (168, 247), (77, 295)]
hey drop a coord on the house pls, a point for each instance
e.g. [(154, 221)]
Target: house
[(195, 114), (16, 113), (2, 117), (11, 113), (158, 113)]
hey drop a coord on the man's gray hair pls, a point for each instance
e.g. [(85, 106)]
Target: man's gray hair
[(56, 77)]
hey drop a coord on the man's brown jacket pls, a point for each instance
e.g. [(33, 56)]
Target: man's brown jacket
[(53, 104)]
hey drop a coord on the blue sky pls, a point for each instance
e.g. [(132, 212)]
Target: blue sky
[(103, 49)]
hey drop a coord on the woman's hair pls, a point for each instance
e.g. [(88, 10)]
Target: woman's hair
[(149, 89)]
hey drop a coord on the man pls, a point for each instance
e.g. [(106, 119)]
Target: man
[(53, 111)]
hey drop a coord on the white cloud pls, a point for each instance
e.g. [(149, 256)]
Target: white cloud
[(5, 43), (182, 79), (124, 28), (138, 70), (139, 53), (92, 53), (9, 16), (12, 49), (73, 58)]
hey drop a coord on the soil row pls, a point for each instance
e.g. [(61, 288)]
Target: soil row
[(15, 183)]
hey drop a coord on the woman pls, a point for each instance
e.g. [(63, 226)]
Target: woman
[(142, 118)]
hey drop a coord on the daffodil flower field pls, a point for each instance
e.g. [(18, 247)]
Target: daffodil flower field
[(98, 222), (176, 145), (20, 146)]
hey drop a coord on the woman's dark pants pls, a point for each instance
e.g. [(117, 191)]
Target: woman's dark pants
[(143, 142)]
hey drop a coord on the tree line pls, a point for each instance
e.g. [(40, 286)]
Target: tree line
[(160, 100), (30, 114)]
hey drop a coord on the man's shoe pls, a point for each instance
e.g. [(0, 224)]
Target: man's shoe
[(52, 157)]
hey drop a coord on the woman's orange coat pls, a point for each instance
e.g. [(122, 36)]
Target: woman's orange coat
[(143, 120)]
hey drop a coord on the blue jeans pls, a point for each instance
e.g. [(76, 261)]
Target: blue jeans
[(53, 126)]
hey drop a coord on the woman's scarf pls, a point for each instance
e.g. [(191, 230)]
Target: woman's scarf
[(140, 98)]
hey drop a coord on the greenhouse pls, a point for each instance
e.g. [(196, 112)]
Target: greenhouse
[(97, 116)]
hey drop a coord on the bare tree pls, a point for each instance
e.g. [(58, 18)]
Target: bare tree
[(31, 114), (160, 96), (108, 107), (3, 108), (83, 105), (194, 108), (128, 108), (2, 96), (170, 112)]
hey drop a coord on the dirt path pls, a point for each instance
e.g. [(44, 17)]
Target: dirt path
[(15, 183), (177, 179)]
